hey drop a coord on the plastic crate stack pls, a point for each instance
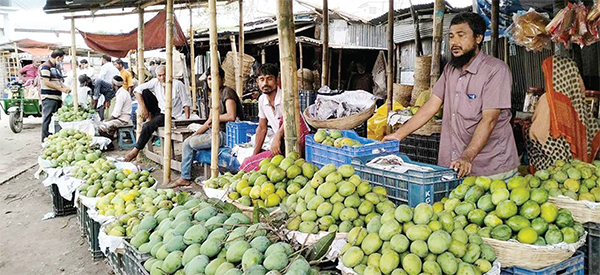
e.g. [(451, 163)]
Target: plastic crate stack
[(239, 132), (90, 230), (250, 111), (133, 260), (306, 98), (321, 154), (572, 266), (410, 187), (591, 248), (62, 207), (421, 148)]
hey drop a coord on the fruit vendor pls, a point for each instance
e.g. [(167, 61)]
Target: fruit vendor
[(562, 127), (100, 88), (52, 88), (231, 108), (270, 114), (475, 88), (151, 101), (121, 112)]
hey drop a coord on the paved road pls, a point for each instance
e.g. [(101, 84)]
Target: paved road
[(18, 151)]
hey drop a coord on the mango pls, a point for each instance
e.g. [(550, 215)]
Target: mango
[(388, 262), (412, 264), (399, 243), (276, 261), (223, 268), (465, 269), (418, 232), (256, 270), (348, 214), (372, 270), (211, 247), (212, 267), (236, 251), (473, 253), (448, 263), (352, 257), (172, 262), (196, 265), (371, 243), (357, 235), (419, 248), (439, 241), (432, 267), (195, 234), (176, 243), (190, 253)]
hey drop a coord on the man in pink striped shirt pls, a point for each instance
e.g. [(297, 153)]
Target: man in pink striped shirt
[(30, 72)]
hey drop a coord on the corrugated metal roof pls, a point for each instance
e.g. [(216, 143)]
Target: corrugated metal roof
[(423, 9), (404, 30)]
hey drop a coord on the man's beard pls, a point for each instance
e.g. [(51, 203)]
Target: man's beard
[(459, 61)]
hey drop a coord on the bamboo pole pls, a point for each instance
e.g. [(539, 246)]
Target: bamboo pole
[(289, 77), (263, 57), (239, 83), (74, 66), (140, 52), (216, 81), (418, 41), (325, 31), (168, 94), (398, 68), (193, 64), (301, 66), (17, 57), (390, 60), (89, 57), (494, 31), (236, 64), (339, 70), (438, 25)]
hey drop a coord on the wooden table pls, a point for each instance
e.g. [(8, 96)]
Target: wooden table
[(178, 135)]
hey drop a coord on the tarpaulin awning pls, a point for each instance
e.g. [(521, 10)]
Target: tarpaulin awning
[(117, 45), (37, 51)]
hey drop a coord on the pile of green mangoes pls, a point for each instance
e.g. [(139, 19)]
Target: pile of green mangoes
[(415, 241), (68, 147), (102, 177), (517, 209), (68, 114), (132, 201), (198, 238), (334, 138), (575, 179), (268, 186), (335, 200)]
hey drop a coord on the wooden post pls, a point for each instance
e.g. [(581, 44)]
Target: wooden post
[(340, 69), (89, 61), (301, 66), (74, 66), (289, 77), (140, 52), (239, 83), (494, 31), (418, 42), (397, 66), (325, 31), (193, 64), (263, 57), (506, 54), (390, 60), (216, 81), (438, 25), (168, 94), (17, 57)]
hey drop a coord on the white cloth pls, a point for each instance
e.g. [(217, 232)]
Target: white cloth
[(122, 109), (180, 97), (108, 71), (273, 115)]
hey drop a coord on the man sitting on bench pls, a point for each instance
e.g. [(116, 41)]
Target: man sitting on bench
[(230, 109), (121, 113), (151, 101)]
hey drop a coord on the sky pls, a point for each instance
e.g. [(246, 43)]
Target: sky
[(32, 16)]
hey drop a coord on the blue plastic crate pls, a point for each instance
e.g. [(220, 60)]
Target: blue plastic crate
[(591, 248), (321, 154), (237, 132), (411, 187), (573, 266)]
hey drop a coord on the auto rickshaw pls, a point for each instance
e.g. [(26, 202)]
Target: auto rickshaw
[(17, 106)]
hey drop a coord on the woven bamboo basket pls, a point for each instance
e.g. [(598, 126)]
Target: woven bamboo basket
[(228, 66), (422, 76), (429, 129), (403, 93), (583, 211), (345, 123), (528, 256)]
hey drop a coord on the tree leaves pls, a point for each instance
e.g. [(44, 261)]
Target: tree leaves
[(320, 248)]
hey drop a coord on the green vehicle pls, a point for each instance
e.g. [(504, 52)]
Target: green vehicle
[(18, 107)]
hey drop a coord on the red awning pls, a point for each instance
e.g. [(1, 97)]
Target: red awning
[(37, 51), (117, 45)]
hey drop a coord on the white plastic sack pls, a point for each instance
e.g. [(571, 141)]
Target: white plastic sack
[(341, 105), (496, 269), (102, 142), (65, 183), (215, 193), (86, 126), (111, 242)]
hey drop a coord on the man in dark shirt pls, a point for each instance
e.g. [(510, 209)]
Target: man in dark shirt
[(52, 89), (99, 87), (231, 108)]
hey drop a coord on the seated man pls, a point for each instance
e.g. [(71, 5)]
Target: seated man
[(121, 113), (231, 107), (151, 102), (270, 114)]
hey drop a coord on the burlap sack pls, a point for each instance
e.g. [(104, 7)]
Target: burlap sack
[(402, 93)]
